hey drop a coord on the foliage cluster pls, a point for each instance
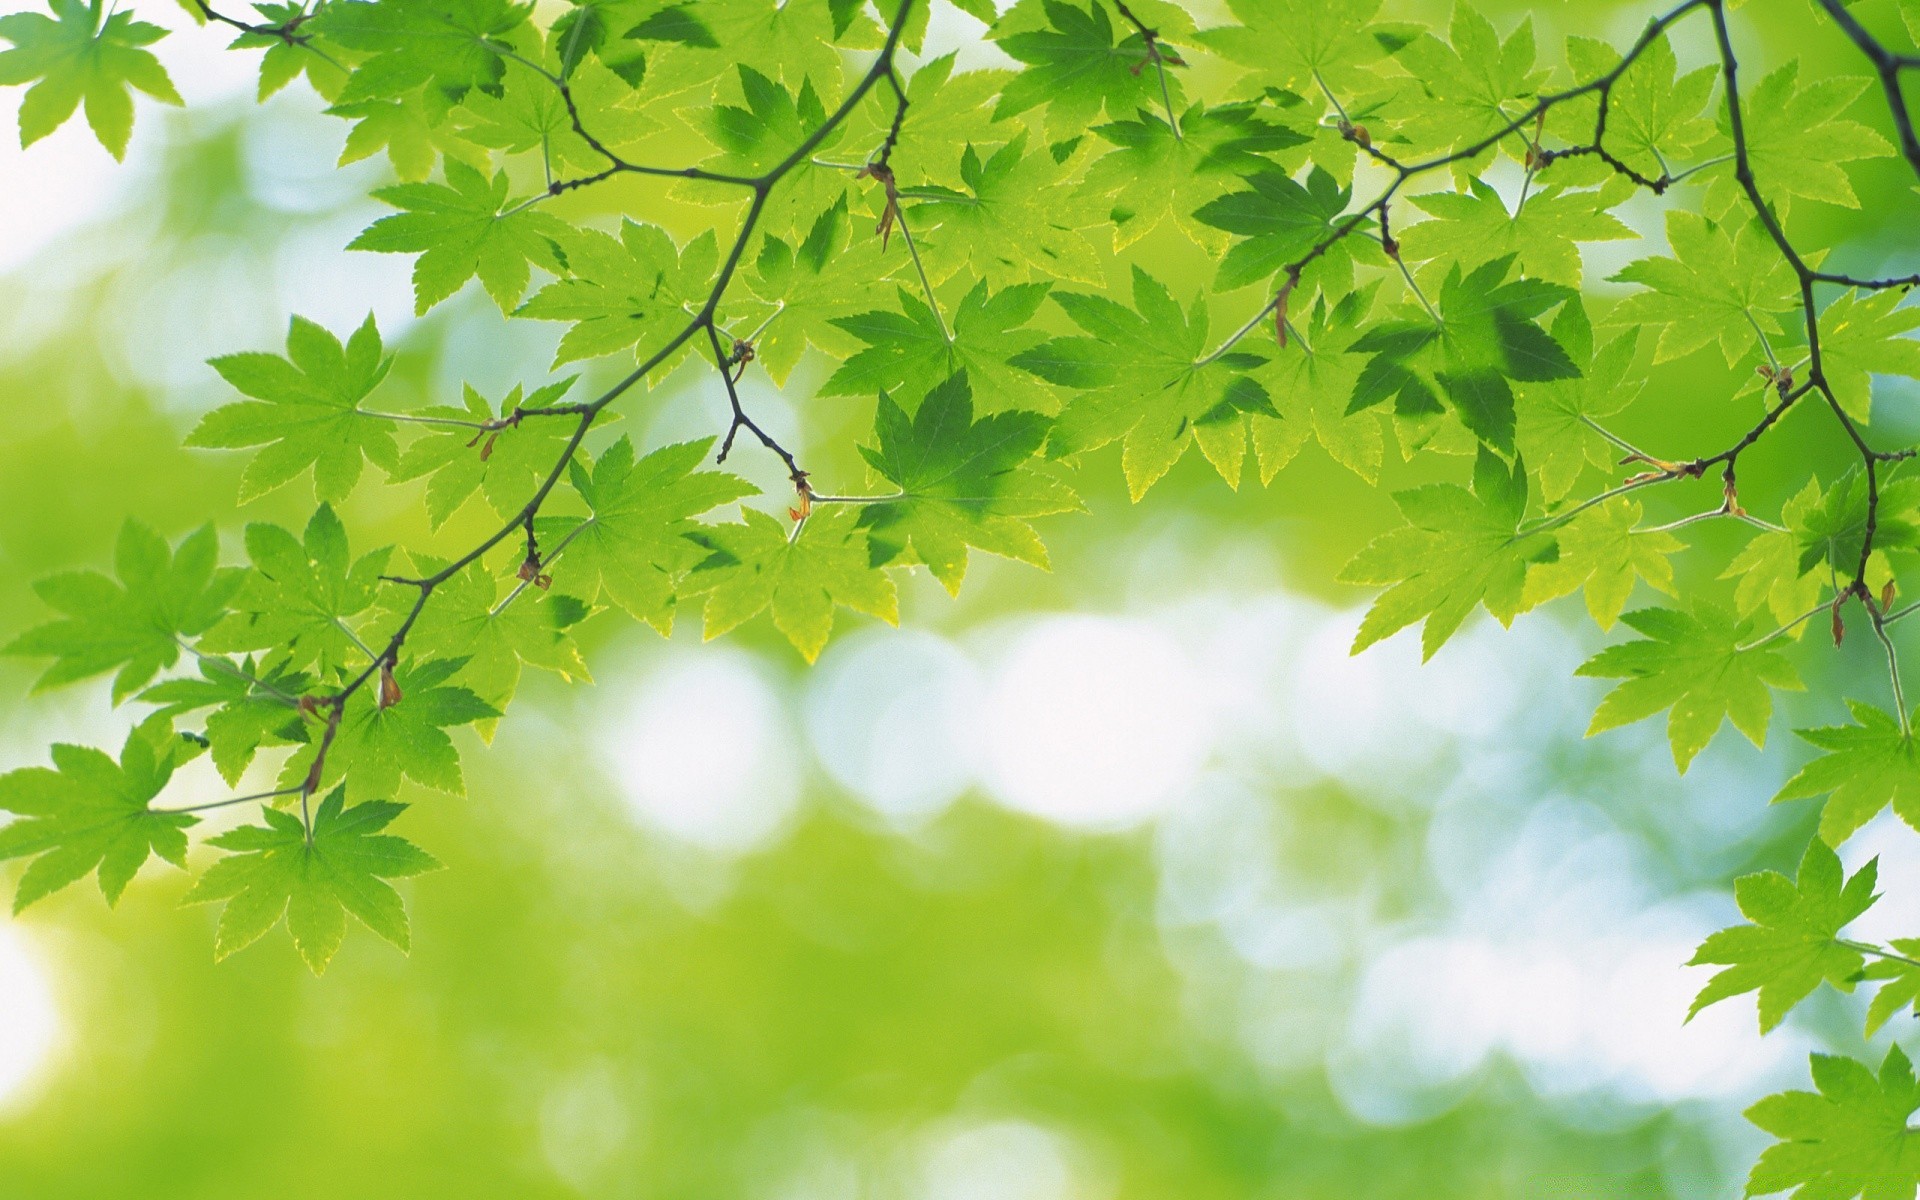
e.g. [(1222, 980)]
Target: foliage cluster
[(965, 247)]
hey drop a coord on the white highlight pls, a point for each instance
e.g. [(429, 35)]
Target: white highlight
[(704, 753), (29, 1022), (1094, 722), (1004, 1160)]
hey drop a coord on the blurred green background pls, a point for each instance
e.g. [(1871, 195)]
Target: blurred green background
[(1122, 881)]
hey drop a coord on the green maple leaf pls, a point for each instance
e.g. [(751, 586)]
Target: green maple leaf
[(530, 113), (1699, 666), (754, 567), (1282, 221), (377, 744), (469, 619), (1141, 380), (636, 290), (1291, 43), (1863, 336), (1900, 980), (815, 283), (89, 812), (634, 547), (413, 130), (275, 871), (448, 46), (1460, 549), (945, 110), (465, 227), (75, 55), (1603, 555), (1077, 62), (963, 482), (253, 706), (911, 352), (756, 138), (304, 411), (284, 60), (1653, 111), (1310, 388), (1834, 530), (1850, 1139), (1469, 80), (1014, 218), (1543, 235), (1486, 336), (689, 44), (505, 465), (1768, 567), (1154, 176), (1866, 766), (1556, 421), (300, 596), (1794, 941), (134, 625), (1718, 286), (1796, 140)]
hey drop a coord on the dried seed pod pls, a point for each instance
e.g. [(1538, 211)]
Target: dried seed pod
[(389, 689)]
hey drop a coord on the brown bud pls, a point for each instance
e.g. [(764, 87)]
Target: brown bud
[(530, 569), (1839, 626), (309, 707), (389, 690), (486, 451), (543, 581), (1361, 136), (1886, 595)]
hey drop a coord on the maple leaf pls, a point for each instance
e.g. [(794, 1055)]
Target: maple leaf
[(76, 55), (1834, 530), (1309, 390), (88, 812), (1076, 64), (1768, 567), (134, 625), (636, 290), (1862, 336), (1014, 217), (963, 482), (304, 410), (253, 706), (276, 870), (1281, 221), (912, 351), (1867, 766), (634, 547), (1156, 174), (530, 113), (377, 742), (301, 594), (1557, 421), (1603, 556), (755, 566), (1468, 80), (448, 46), (1850, 1139), (1460, 549), (1486, 335), (411, 129), (1720, 285), (1296, 43), (1542, 235), (471, 620), (465, 227), (1899, 978), (1142, 380), (814, 284), (1794, 941), (1698, 665), (1796, 140), (505, 465), (1653, 111)]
